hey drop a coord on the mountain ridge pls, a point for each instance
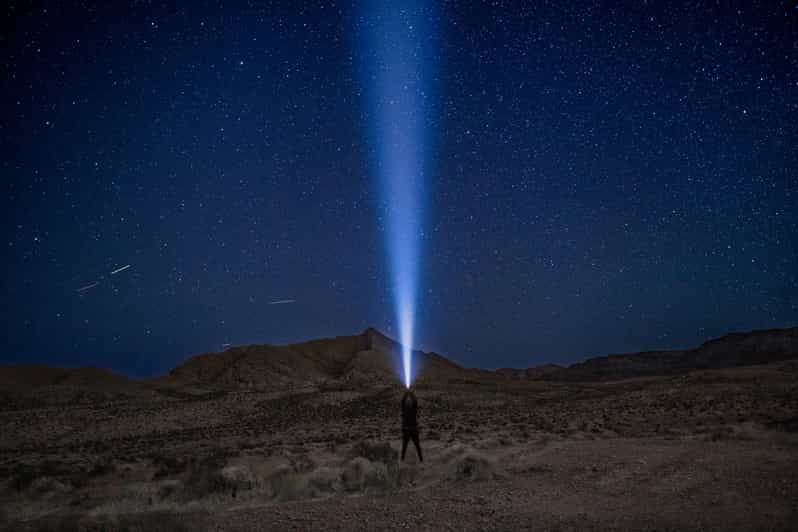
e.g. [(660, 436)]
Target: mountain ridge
[(733, 349), (371, 357)]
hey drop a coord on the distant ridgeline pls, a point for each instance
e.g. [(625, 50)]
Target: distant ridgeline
[(732, 350), (369, 359)]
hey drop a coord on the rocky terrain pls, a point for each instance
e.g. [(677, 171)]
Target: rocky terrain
[(306, 436), (732, 350)]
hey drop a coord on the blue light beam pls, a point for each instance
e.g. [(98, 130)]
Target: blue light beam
[(398, 53)]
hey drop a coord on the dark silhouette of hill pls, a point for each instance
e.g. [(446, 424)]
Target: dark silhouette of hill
[(28, 376), (534, 373), (25, 385), (367, 358), (371, 358), (731, 350)]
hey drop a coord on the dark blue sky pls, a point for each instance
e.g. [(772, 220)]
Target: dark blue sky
[(600, 179)]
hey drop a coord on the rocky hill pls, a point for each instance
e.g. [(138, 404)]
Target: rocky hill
[(732, 350), (367, 358), (28, 376), (26, 385), (370, 357)]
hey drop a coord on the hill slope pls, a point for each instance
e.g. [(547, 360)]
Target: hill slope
[(731, 350), (368, 357), (373, 358)]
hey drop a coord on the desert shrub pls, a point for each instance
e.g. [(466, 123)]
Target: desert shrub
[(103, 467), (355, 472), (727, 432), (303, 464), (376, 452), (151, 522), (406, 476), (22, 476), (472, 466), (169, 488), (205, 477), (167, 466), (360, 474), (238, 478), (248, 443), (284, 483), (145, 522), (323, 480), (538, 468), (785, 425), (464, 463), (50, 484)]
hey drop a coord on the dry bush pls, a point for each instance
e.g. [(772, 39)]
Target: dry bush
[(285, 483), (323, 481), (376, 452), (167, 466), (472, 466), (39, 477), (465, 463), (169, 488), (360, 474), (104, 466), (238, 477), (205, 477), (146, 522), (22, 476)]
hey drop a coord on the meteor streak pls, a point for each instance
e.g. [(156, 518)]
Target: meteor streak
[(87, 287), (281, 302), (123, 268), (101, 279)]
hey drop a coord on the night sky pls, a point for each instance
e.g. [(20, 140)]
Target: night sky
[(598, 179)]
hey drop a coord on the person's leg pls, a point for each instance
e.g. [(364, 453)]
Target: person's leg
[(418, 445), (405, 438)]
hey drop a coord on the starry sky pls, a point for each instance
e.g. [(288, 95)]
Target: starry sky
[(601, 177)]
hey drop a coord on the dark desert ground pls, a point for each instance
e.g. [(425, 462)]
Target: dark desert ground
[(306, 436)]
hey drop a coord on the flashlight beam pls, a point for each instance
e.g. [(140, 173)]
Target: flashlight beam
[(399, 55)]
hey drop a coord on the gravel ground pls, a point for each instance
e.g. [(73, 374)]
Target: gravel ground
[(711, 450)]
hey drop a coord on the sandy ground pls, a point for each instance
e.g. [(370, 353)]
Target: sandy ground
[(711, 450), (568, 485)]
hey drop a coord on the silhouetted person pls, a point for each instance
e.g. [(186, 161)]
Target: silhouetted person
[(409, 423)]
